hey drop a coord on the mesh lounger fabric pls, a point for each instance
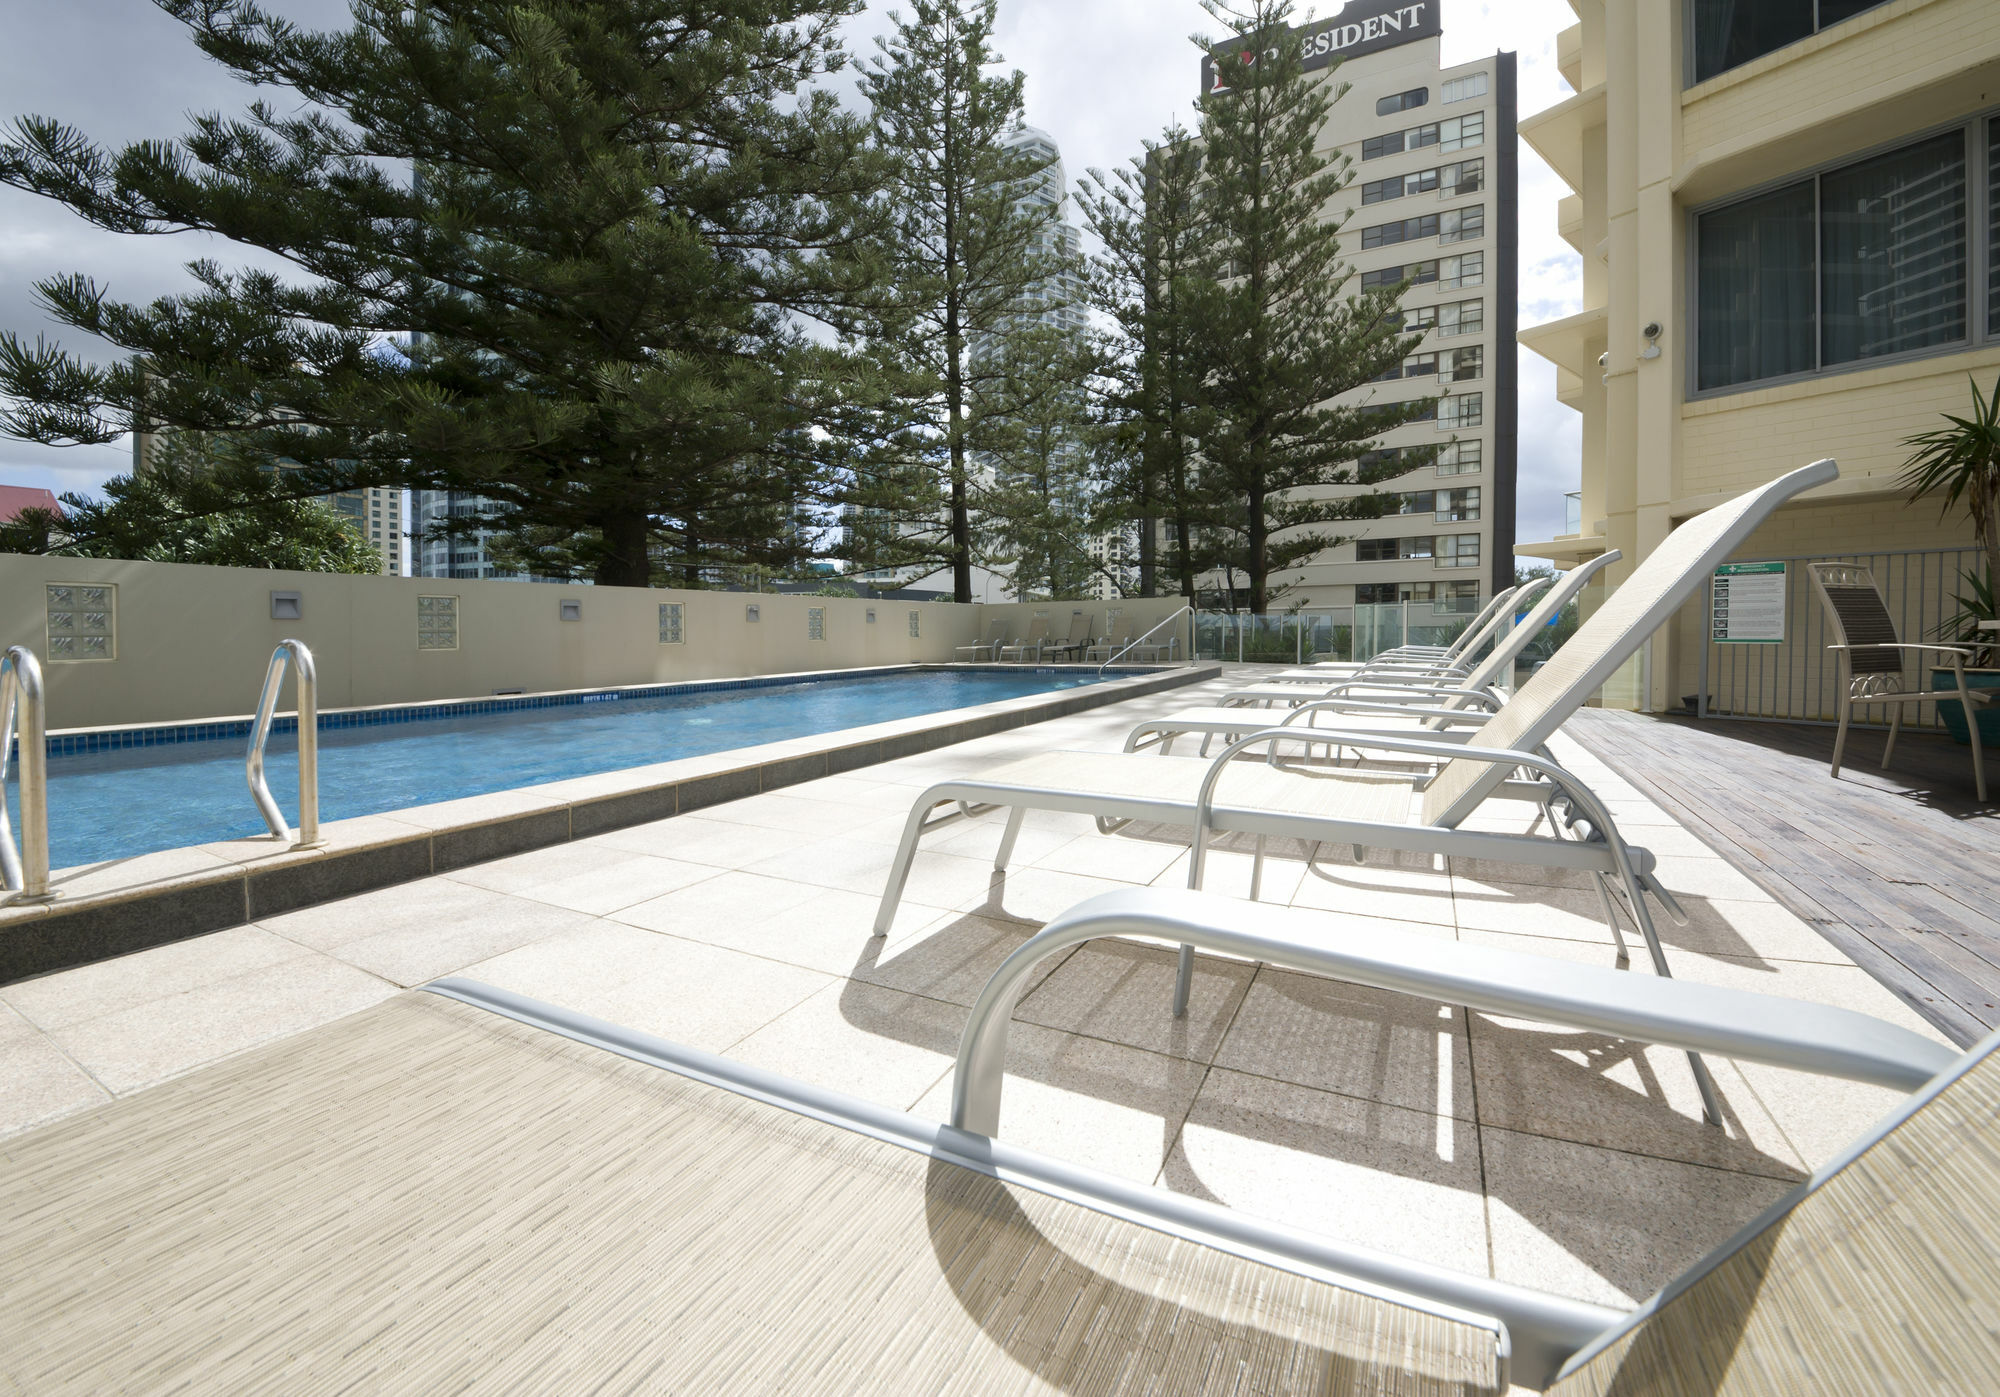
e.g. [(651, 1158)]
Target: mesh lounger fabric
[(1885, 1279), (429, 1198)]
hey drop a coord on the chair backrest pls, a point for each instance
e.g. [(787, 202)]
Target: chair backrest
[(1038, 629), (1497, 606), (1878, 1273), (1500, 659), (1488, 624), (1628, 618), (1079, 627), (1857, 615), (997, 632)]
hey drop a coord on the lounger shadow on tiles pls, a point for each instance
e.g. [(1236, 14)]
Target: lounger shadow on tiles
[(466, 1190), (1422, 812)]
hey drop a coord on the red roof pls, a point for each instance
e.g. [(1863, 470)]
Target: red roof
[(15, 498)]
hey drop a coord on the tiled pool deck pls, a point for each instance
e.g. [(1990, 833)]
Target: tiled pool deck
[(1558, 1159)]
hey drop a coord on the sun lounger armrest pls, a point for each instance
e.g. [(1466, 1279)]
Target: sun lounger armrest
[(1471, 717), (1420, 690), (1732, 1023)]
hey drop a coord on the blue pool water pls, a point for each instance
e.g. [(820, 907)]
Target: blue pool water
[(114, 804)]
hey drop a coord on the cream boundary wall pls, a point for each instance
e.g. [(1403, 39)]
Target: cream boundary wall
[(193, 642), (1643, 152)]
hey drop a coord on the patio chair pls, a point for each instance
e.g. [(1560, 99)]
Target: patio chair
[(1118, 635), (1038, 636), (1444, 704), (1072, 646), (1872, 660), (996, 636), (1374, 809), (466, 1189)]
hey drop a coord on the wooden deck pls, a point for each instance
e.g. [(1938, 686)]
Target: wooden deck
[(1900, 869)]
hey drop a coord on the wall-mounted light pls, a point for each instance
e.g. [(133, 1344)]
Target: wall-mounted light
[(1652, 334), (1604, 362), (287, 606), (871, 615), (570, 610), (750, 613)]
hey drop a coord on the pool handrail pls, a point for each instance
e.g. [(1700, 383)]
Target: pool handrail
[(1141, 641), (300, 659), (24, 710)]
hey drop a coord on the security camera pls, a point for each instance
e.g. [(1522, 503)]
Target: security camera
[(1652, 330)]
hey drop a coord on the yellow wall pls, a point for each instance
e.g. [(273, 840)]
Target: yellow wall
[(193, 642), (1646, 155)]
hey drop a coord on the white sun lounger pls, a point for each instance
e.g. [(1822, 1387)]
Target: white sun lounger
[(1383, 703), (988, 648), (1401, 811)]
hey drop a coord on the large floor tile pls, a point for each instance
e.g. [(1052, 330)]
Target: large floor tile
[(1542, 1080), (443, 927), (831, 932), (1354, 1170), (879, 1044), (1606, 1226), (585, 878), (951, 959), (697, 911), (778, 811), (1352, 1041), (1109, 856), (1087, 1101), (1124, 992), (1377, 889), (162, 1038), (703, 996), (42, 1082), (845, 864), (1034, 895), (698, 839), (92, 991)]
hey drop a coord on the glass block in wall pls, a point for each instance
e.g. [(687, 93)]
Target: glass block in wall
[(672, 620), (916, 624), (437, 623), (816, 623), (82, 621)]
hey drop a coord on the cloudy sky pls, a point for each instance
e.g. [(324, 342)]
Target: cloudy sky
[(1102, 76)]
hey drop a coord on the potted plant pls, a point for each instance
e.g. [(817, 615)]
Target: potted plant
[(1961, 463)]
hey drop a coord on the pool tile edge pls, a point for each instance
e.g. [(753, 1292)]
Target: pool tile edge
[(70, 932)]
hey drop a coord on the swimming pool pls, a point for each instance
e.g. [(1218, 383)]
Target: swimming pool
[(108, 804)]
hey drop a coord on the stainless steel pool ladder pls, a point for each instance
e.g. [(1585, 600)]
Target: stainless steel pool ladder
[(24, 709), (300, 659)]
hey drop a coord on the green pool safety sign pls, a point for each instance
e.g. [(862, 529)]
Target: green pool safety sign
[(1747, 604)]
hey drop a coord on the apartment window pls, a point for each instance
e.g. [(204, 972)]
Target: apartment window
[(1416, 273), (1458, 551), (1851, 264), (1390, 550), (1462, 365), (1458, 506), (1409, 229), (1726, 33), (1461, 458), (1414, 502), (1376, 411), (1993, 226), (1402, 101), (1466, 177), (1421, 182), (1461, 317), (1462, 225), (1375, 147), (1417, 320), (1384, 463), (1462, 132), (1466, 269), (1460, 410), (1459, 89)]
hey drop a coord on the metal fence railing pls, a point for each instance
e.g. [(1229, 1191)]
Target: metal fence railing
[(1350, 633), (1797, 680)]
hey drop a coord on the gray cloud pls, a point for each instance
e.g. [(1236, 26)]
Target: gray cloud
[(1102, 76)]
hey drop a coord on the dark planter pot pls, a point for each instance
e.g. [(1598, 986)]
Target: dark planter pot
[(1952, 712)]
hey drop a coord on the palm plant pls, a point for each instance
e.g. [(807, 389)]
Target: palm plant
[(1961, 463)]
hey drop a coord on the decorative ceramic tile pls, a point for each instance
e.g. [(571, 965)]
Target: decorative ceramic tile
[(82, 622)]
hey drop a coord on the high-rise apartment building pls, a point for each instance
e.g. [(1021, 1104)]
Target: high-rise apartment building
[(377, 514), (468, 554), (1432, 200), (1788, 214)]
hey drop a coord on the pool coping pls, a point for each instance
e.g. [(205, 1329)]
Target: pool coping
[(120, 906)]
